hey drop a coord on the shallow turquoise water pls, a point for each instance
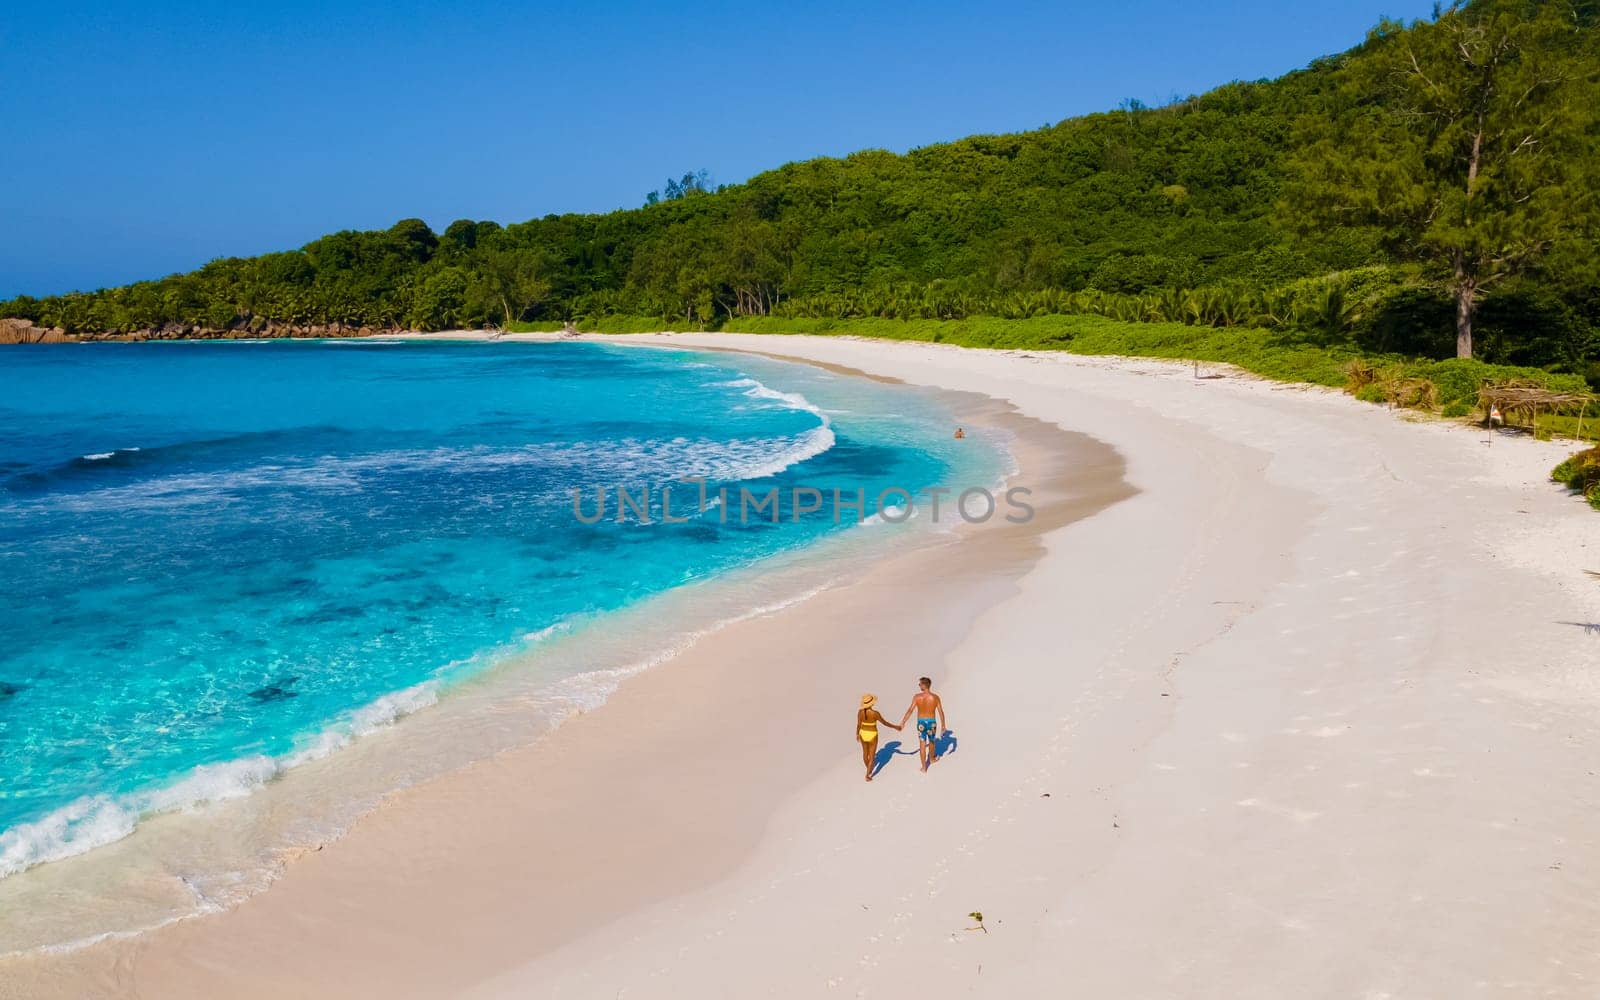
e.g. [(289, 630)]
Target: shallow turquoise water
[(218, 555)]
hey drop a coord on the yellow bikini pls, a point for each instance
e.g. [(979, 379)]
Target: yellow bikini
[(869, 732)]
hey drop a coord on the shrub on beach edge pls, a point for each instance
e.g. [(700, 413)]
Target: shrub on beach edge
[(1581, 473)]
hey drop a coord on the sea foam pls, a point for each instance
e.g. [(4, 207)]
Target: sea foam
[(624, 460), (97, 820)]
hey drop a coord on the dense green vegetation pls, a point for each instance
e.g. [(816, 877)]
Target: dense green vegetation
[(1581, 472), (1289, 226), (1468, 143)]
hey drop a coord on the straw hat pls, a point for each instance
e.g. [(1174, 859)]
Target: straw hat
[(867, 700)]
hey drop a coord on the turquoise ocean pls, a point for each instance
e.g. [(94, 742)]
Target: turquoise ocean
[(224, 560)]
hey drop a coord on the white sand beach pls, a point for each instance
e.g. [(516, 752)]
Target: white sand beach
[(1305, 708)]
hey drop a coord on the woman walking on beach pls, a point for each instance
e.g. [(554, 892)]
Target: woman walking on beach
[(867, 719)]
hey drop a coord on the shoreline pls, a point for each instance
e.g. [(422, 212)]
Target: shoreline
[(789, 572), (1269, 727), (246, 833)]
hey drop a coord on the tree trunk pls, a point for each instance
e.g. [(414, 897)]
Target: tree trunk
[(1466, 293), (1466, 284)]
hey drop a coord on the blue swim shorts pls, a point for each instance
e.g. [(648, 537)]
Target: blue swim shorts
[(928, 729)]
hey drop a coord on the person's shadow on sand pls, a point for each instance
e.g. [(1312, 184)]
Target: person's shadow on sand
[(886, 753), (890, 750)]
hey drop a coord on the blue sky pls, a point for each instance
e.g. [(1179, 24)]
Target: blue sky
[(147, 138)]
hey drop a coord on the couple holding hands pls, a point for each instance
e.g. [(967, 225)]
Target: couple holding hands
[(930, 723)]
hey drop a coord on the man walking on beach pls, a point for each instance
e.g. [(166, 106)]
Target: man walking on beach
[(930, 721)]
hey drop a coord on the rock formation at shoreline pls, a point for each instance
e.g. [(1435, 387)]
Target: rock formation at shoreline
[(22, 331)]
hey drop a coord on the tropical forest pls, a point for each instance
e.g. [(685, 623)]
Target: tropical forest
[(1422, 205)]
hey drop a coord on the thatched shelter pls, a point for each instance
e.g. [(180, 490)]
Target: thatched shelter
[(1526, 400)]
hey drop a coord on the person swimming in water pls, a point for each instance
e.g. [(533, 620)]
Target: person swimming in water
[(960, 433), (867, 719)]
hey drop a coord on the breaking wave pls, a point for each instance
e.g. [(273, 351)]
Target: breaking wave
[(629, 459), (97, 820)]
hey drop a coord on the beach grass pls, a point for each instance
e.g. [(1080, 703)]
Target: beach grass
[(1581, 473)]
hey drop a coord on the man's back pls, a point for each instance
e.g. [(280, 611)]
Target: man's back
[(930, 719)]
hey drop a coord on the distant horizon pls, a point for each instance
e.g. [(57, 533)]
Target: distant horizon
[(152, 158)]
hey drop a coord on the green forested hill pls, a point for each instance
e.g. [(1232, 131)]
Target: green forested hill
[(1319, 202)]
